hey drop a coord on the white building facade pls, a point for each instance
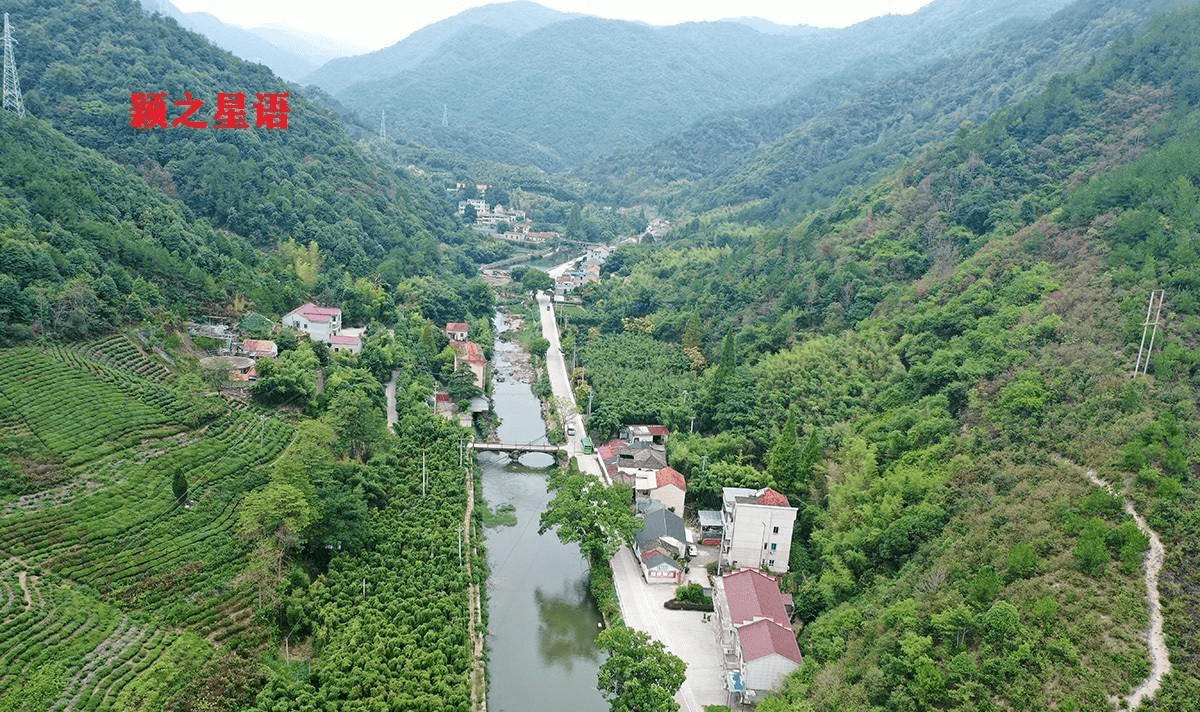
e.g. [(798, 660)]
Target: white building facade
[(758, 529)]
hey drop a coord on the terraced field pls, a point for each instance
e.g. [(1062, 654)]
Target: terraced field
[(112, 595)]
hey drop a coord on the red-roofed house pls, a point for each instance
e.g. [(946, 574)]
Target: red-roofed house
[(755, 631), (665, 485), (758, 529), (260, 348), (345, 342), (468, 352), (456, 331), (318, 322), (610, 455)]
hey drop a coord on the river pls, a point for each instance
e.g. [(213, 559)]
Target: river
[(542, 623)]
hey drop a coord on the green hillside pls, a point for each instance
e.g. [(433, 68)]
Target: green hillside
[(128, 597), (164, 548), (79, 65), (955, 344)]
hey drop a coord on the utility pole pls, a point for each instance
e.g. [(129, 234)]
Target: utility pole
[(12, 85), (383, 124), (460, 533), (445, 116), (423, 475)]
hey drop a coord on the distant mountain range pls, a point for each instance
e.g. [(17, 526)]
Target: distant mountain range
[(305, 50), (520, 83)]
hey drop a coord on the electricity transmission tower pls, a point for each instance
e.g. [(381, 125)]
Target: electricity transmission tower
[(12, 86), (1153, 310)]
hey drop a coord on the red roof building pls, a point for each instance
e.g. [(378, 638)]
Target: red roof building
[(260, 348), (753, 595), (770, 498), (757, 529), (456, 331), (342, 342), (754, 624), (670, 476), (468, 352)]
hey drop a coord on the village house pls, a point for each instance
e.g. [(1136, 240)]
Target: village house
[(755, 632), (647, 434), (324, 324), (260, 348), (758, 529), (319, 323), (345, 342), (456, 331), (468, 352), (662, 539), (639, 461), (666, 485)]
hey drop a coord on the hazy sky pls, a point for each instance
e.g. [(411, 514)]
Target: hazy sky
[(379, 23)]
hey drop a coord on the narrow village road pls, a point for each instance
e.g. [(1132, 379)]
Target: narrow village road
[(560, 386), (1160, 658), (390, 393), (687, 634)]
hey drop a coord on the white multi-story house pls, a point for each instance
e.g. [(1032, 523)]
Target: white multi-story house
[(758, 529), (319, 323)]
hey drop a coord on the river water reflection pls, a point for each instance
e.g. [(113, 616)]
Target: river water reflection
[(542, 624)]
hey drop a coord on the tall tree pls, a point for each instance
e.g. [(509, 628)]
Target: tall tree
[(179, 487), (358, 422), (639, 674), (784, 461), (585, 511)]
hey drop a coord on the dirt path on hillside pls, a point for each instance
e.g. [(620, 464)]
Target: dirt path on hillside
[(474, 620), (1160, 659)]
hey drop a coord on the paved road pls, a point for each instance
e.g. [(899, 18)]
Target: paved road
[(684, 633), (560, 385)]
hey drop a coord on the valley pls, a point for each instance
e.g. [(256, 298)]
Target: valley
[(849, 314)]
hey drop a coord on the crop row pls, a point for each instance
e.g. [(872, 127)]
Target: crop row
[(187, 409), (71, 413), (76, 653), (95, 531), (60, 631), (121, 352)]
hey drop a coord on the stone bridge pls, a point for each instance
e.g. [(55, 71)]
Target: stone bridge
[(514, 450)]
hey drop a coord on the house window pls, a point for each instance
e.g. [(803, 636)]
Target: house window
[(771, 562), (773, 547), (774, 530)]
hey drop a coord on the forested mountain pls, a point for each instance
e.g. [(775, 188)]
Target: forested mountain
[(927, 367), (561, 92), (501, 20), (168, 542), (845, 130), (224, 190)]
